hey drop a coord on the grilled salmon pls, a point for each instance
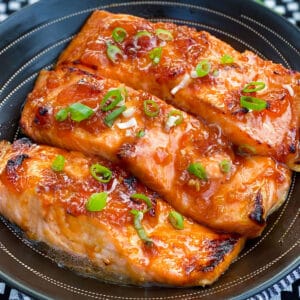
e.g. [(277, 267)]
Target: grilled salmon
[(190, 164), (126, 239), (255, 102)]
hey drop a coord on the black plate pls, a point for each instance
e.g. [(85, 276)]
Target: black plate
[(33, 38)]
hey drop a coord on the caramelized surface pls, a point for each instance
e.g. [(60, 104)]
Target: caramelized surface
[(235, 201), (51, 207), (273, 131)]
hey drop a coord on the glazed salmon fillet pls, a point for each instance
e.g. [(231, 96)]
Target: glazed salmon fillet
[(50, 202), (190, 164), (255, 102)]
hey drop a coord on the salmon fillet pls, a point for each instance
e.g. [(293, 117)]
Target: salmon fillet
[(51, 205), (190, 164), (164, 59)]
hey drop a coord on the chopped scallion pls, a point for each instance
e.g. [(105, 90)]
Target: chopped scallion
[(143, 198), (123, 91), (111, 99), (242, 149), (119, 34), (227, 59), (80, 112), (96, 202), (164, 34), (110, 118), (58, 163), (177, 114), (253, 103), (254, 86), (101, 173), (151, 108), (198, 170), (137, 223), (216, 73), (155, 55), (112, 52), (141, 133), (176, 219), (143, 33), (225, 165), (62, 115), (203, 68)]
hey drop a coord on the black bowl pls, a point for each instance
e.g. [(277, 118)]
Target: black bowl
[(33, 38)]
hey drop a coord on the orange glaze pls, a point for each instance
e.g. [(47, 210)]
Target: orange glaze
[(51, 207), (215, 97), (237, 201)]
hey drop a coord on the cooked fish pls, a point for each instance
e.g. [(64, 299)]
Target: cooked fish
[(190, 164), (255, 102), (50, 199)]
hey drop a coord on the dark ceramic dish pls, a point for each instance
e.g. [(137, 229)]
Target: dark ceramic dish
[(33, 38)]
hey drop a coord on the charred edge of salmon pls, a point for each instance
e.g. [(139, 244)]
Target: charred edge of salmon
[(257, 215), (41, 115), (79, 68), (219, 248), (16, 161), (294, 163), (25, 141), (13, 165), (131, 183)]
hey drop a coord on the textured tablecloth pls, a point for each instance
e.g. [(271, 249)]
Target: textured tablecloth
[(288, 288)]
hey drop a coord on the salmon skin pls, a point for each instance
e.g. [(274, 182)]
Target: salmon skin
[(50, 205), (200, 74), (190, 164)]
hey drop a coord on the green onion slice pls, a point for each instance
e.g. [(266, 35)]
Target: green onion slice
[(155, 55), (225, 165), (137, 223), (175, 112), (80, 112), (216, 73), (176, 219), (203, 68), (62, 115), (119, 34), (143, 33), (101, 173), (141, 133), (254, 86), (58, 163), (123, 91), (198, 170), (143, 198), (164, 34), (96, 202), (151, 108), (110, 119), (111, 99), (246, 149), (227, 59), (253, 103), (112, 52)]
